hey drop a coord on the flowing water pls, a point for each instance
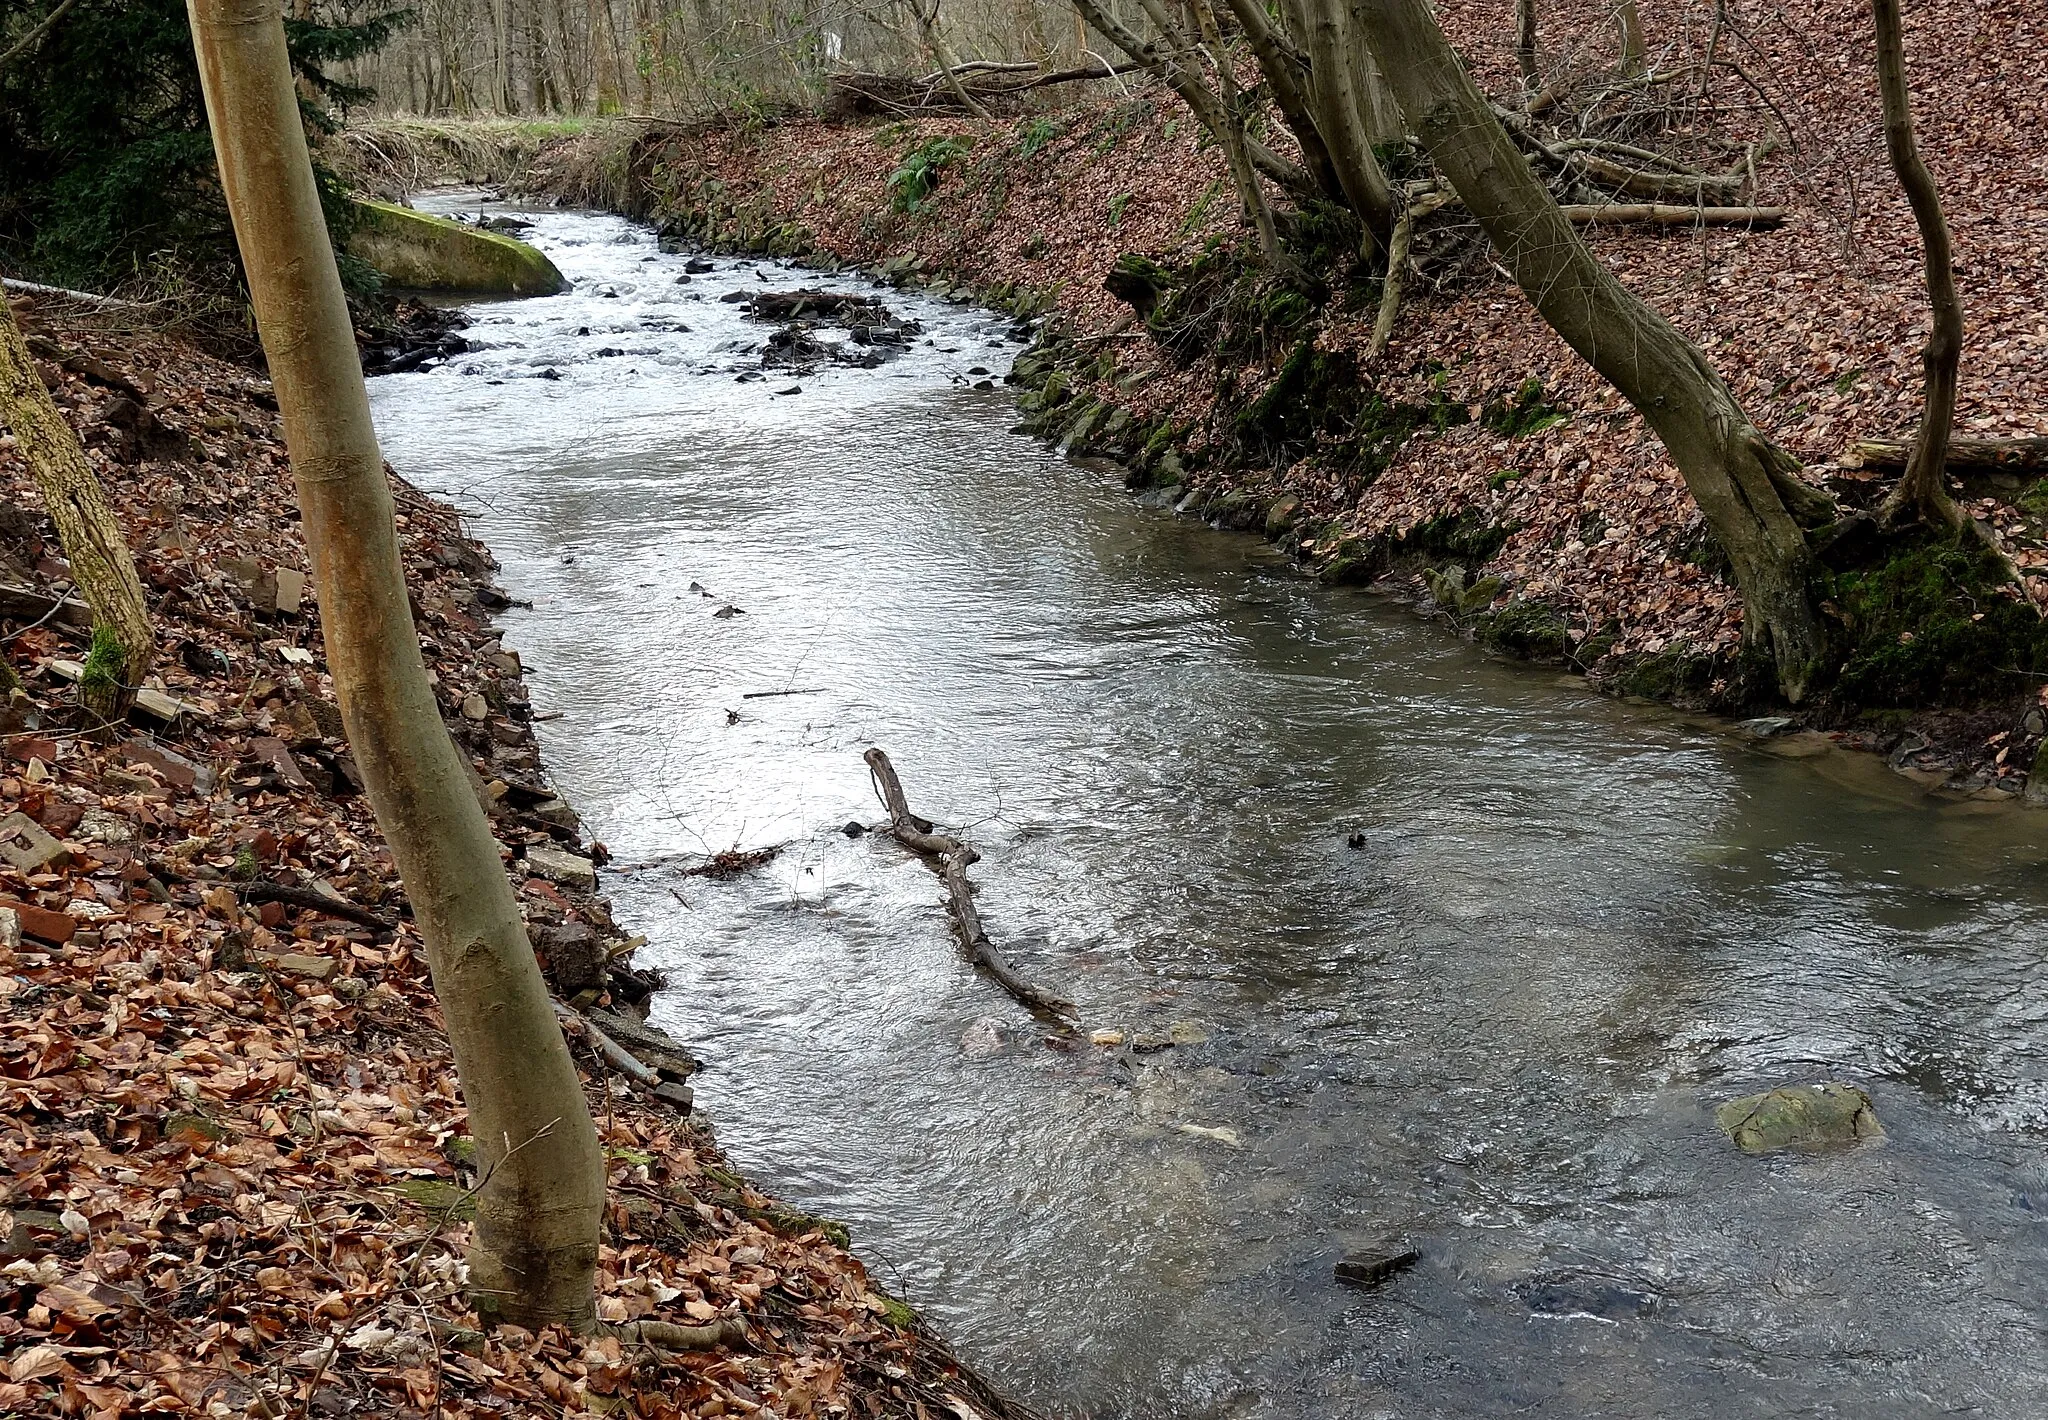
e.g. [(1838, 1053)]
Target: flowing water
[(1499, 1026)]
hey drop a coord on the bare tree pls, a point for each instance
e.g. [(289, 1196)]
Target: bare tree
[(1746, 486), (1920, 492), (542, 1198), (101, 565)]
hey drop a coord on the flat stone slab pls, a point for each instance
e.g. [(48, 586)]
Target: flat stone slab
[(1823, 1116), (24, 843), (558, 866), (652, 1046)]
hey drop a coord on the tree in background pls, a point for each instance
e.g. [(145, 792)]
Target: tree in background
[(542, 1195), (1920, 492), (102, 568), (106, 170)]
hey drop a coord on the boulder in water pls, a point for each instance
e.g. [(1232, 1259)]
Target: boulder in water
[(1827, 1115)]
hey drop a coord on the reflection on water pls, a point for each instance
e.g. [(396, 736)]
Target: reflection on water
[(1500, 1026)]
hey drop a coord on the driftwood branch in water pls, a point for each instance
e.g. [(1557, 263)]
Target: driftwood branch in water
[(950, 858)]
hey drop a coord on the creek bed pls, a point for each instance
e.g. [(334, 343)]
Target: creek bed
[(1498, 1027)]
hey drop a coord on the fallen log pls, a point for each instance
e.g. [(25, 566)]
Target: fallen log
[(1964, 455), (855, 94), (1672, 214), (950, 857), (83, 298), (1660, 186), (310, 900)]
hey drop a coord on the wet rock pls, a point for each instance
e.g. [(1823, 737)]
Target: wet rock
[(984, 1038), (1373, 1264), (1827, 1115), (1767, 726)]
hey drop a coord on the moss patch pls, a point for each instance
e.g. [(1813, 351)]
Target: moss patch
[(424, 253), (1933, 624)]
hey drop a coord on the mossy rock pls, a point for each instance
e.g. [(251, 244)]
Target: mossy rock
[(419, 252), (1828, 1115), (1528, 629), (1281, 515), (439, 1197), (1237, 509)]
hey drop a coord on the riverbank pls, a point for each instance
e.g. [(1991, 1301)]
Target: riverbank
[(1477, 468), (238, 1161)]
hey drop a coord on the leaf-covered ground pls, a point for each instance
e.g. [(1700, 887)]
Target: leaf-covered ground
[(233, 1168)]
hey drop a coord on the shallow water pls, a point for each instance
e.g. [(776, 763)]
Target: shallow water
[(1499, 1027)]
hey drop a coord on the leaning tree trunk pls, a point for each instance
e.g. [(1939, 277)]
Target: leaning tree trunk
[(1920, 492), (542, 1197), (1740, 480), (101, 565)]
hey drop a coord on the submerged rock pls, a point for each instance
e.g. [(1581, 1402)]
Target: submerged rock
[(1372, 1265), (1828, 1115)]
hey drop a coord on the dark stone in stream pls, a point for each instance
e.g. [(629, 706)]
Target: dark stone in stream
[(1369, 1266), (1356, 840), (733, 298), (854, 828), (697, 266)]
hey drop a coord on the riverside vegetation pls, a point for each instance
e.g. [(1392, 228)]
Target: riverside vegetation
[(1273, 263)]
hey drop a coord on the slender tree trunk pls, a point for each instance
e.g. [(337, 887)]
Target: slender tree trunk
[(1628, 20), (1740, 480), (501, 59), (102, 567), (1287, 75), (1525, 45), (540, 1204), (1921, 492), (1235, 140), (942, 55)]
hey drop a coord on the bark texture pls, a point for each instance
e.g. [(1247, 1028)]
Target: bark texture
[(540, 1204), (1740, 480), (1342, 110), (101, 565), (1920, 492)]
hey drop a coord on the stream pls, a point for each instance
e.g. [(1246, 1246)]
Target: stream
[(1498, 1027)]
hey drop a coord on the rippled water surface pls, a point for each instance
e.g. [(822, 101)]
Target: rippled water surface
[(1500, 1026)]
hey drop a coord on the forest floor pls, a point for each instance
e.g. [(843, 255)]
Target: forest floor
[(234, 1161), (1509, 464)]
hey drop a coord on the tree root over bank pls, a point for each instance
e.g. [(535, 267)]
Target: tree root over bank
[(949, 857)]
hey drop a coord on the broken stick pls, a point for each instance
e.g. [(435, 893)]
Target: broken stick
[(949, 857)]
